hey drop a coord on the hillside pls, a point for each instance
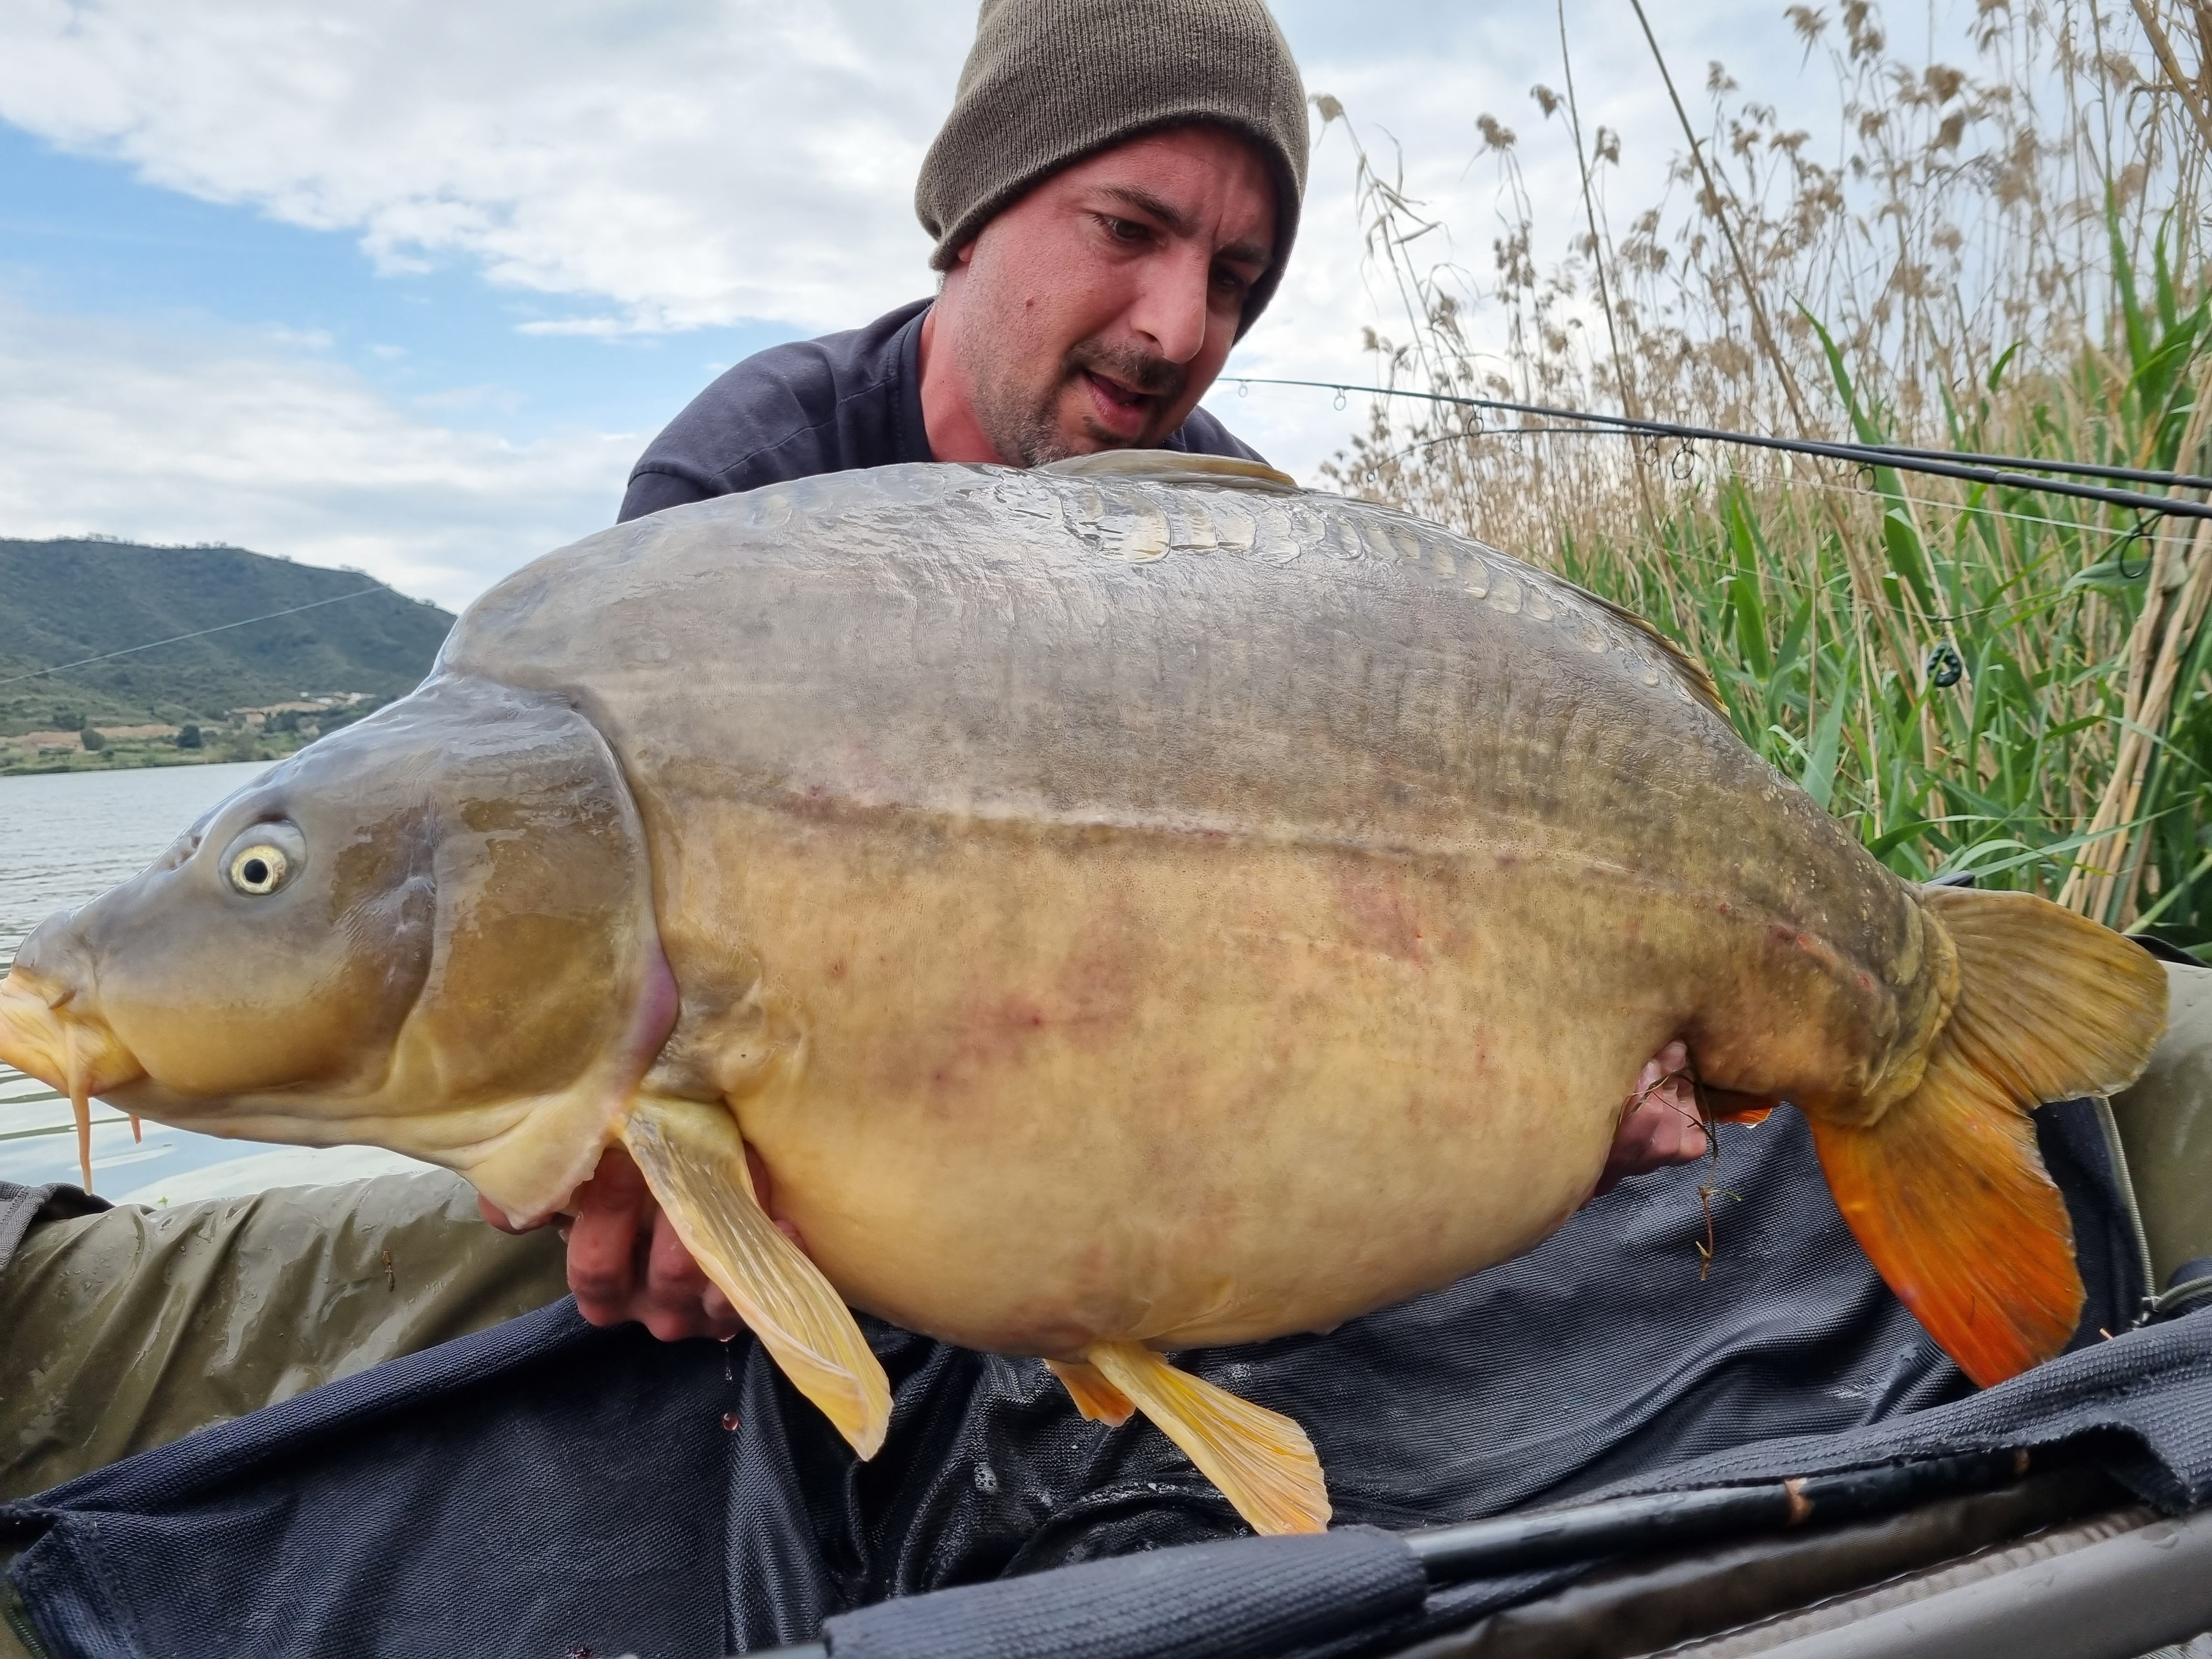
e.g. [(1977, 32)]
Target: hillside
[(62, 601)]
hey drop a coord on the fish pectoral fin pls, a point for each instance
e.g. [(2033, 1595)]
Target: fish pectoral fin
[(1094, 1396), (1261, 1460), (694, 1159)]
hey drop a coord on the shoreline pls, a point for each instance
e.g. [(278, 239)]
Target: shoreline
[(146, 757)]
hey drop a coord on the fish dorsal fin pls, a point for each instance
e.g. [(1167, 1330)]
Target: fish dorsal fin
[(1694, 675), (1175, 466)]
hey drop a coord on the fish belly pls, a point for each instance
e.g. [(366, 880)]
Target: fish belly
[(1052, 1087)]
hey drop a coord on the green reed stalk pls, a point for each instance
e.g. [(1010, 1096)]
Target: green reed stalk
[(1975, 679)]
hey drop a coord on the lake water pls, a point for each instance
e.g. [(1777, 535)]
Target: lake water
[(66, 838)]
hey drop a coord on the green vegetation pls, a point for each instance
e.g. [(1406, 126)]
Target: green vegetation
[(355, 646), (63, 601), (2009, 257)]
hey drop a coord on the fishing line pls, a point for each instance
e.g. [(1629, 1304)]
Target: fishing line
[(2000, 475), (197, 633), (2141, 533)]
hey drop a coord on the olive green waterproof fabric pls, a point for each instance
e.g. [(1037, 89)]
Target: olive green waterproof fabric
[(2166, 1124), (129, 1328)]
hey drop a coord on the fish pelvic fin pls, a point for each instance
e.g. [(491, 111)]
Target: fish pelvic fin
[(694, 1159), (1945, 1190), (1727, 1106), (1261, 1460), (1095, 1397)]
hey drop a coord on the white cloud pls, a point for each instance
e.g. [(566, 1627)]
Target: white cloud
[(709, 162), (688, 163), (182, 434), (693, 162)]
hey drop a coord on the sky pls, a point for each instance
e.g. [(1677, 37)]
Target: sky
[(407, 288)]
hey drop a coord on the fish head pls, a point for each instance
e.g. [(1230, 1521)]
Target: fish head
[(431, 930)]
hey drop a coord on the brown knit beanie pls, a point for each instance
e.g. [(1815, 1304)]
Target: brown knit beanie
[(1050, 82)]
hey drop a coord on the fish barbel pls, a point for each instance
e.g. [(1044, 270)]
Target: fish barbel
[(1127, 905)]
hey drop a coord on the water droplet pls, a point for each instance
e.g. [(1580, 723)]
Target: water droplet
[(730, 1421)]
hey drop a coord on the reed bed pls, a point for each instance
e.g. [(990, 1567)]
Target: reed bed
[(2006, 254)]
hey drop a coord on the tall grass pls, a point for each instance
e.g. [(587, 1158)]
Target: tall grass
[(2005, 255)]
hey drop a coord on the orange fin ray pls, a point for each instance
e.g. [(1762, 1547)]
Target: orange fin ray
[(693, 1157), (1988, 1267), (1261, 1461), (1946, 1190), (80, 1094), (1098, 1399), (1727, 1106)]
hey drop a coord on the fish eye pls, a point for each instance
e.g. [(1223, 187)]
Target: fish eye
[(263, 859), (259, 869)]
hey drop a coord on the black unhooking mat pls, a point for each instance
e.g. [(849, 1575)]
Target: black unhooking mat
[(546, 1489)]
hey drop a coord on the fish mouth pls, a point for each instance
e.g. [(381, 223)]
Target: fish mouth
[(42, 1034)]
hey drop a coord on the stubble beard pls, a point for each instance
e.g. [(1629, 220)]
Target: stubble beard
[(1026, 426)]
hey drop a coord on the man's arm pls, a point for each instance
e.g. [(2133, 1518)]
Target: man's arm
[(1202, 434), (793, 411), (652, 488)]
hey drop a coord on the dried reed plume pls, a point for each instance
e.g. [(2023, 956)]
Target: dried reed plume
[(2006, 255)]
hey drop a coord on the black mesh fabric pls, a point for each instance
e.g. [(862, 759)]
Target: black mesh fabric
[(543, 1488)]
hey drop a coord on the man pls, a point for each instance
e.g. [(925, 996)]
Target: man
[(1105, 241), (1114, 199)]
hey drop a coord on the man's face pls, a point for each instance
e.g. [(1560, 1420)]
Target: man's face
[(1094, 313)]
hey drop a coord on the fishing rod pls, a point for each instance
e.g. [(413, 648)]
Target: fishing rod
[(1351, 1573), (1997, 472), (1514, 1543)]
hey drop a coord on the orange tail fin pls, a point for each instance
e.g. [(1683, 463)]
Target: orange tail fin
[(1946, 1191)]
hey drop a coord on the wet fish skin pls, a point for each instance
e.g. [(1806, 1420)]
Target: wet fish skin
[(1119, 910), (462, 966)]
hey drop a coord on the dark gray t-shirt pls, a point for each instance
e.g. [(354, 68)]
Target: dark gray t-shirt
[(833, 404)]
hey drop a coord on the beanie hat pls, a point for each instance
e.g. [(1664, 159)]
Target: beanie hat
[(1050, 82)]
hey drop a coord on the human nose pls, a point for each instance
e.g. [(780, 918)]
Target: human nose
[(1172, 308)]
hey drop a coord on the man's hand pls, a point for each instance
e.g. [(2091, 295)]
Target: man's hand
[(626, 1262), (1663, 1125)]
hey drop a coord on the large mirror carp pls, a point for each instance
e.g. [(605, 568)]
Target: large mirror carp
[(1127, 906)]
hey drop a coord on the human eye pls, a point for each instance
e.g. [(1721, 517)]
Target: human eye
[(1125, 231)]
